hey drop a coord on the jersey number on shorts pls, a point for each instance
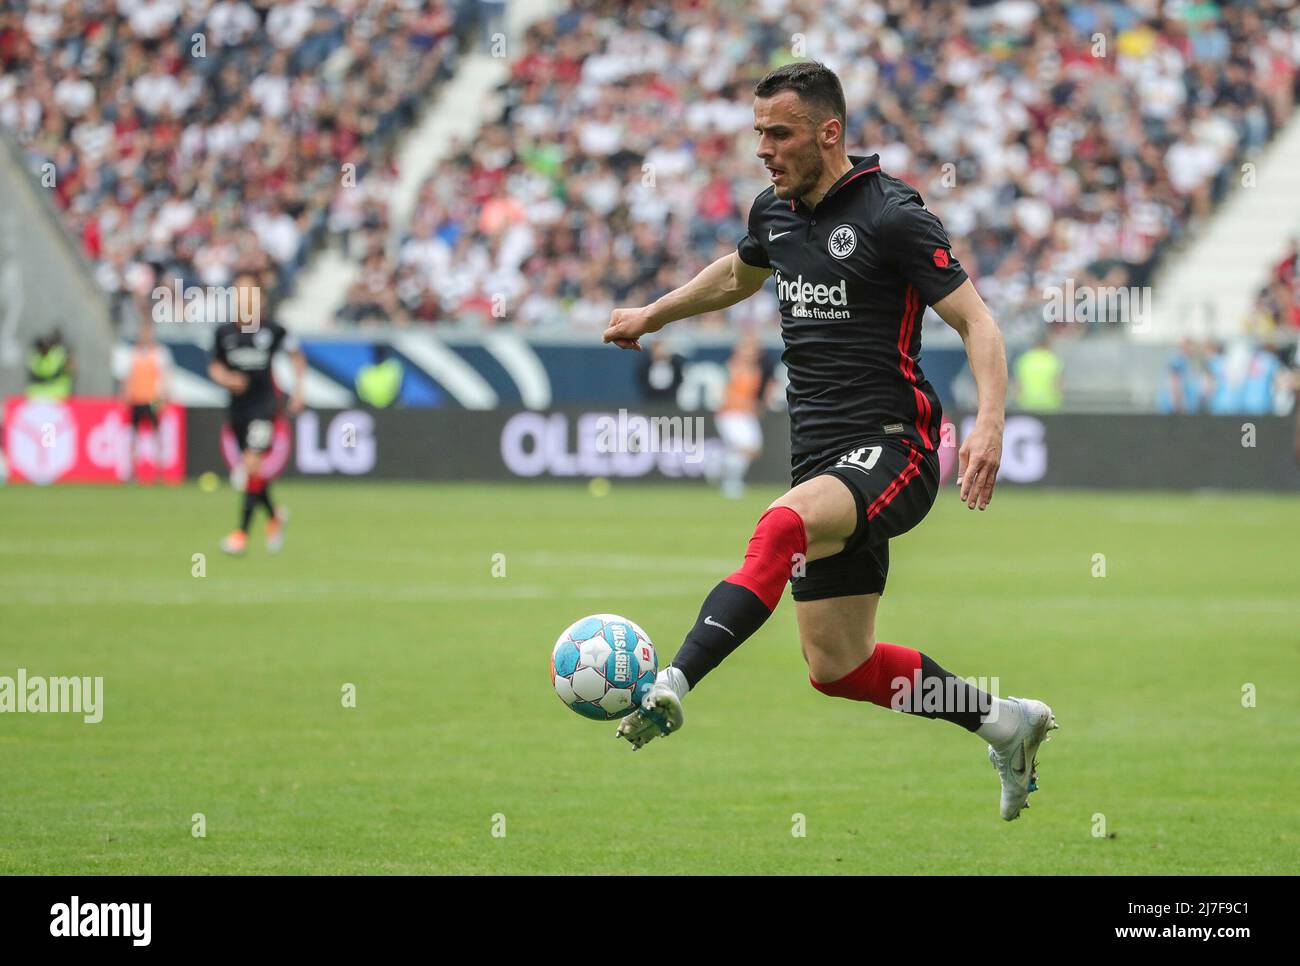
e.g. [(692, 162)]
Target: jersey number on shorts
[(259, 434), (863, 459)]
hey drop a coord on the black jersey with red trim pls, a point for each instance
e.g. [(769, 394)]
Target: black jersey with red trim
[(250, 350), (853, 276)]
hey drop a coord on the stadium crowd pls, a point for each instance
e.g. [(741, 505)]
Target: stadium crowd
[(1054, 141), (1276, 312), (191, 139), (194, 140)]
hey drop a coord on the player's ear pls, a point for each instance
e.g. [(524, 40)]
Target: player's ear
[(831, 132)]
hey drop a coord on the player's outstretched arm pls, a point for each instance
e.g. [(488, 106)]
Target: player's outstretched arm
[(226, 377), (725, 282), (981, 452), (299, 380)]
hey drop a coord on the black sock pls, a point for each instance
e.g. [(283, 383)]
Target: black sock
[(266, 498), (250, 503), (730, 615), (947, 697)]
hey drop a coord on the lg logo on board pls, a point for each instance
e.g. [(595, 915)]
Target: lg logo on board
[(348, 447)]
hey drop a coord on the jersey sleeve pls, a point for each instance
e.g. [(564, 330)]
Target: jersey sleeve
[(751, 248), (913, 239), (284, 339), (219, 349)]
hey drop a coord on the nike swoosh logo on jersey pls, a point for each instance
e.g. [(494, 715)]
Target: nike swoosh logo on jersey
[(772, 237), (712, 623)]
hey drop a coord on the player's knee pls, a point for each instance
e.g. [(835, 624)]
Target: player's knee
[(831, 659), (828, 512), (793, 501), (801, 508)]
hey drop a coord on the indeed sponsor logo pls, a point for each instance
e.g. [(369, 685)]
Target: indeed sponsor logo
[(797, 290), (808, 299)]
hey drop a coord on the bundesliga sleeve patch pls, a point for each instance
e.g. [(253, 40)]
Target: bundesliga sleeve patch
[(941, 257)]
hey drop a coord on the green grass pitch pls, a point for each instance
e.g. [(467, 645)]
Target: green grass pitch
[(223, 692)]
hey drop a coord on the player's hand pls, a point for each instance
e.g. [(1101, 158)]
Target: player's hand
[(295, 404), (977, 465), (236, 382), (628, 325)]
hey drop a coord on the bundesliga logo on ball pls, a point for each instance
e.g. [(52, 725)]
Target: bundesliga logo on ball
[(602, 666)]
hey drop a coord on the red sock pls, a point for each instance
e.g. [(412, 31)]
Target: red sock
[(875, 678), (770, 557)]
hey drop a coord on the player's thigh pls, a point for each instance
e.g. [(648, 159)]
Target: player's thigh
[(828, 510), (836, 634)]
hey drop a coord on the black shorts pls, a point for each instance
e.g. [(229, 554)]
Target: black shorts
[(254, 429), (143, 413), (894, 485)]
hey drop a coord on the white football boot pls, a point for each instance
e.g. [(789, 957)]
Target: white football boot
[(1016, 761), (275, 529), (660, 714)]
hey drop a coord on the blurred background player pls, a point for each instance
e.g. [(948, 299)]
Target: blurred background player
[(241, 362), (144, 390), (748, 383), (660, 373)]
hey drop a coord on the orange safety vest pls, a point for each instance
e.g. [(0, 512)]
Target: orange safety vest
[(741, 395), (144, 381)]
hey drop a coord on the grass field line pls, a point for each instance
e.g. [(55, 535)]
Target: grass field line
[(54, 547), (107, 590), (98, 591), (633, 562)]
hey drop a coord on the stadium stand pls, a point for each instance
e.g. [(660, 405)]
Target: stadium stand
[(1081, 141), (189, 141), (1056, 141)]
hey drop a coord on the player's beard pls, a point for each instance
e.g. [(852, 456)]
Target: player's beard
[(810, 163)]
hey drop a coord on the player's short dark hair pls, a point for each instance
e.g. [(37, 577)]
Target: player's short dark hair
[(814, 82)]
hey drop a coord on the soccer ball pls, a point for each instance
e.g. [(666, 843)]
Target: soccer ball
[(602, 666)]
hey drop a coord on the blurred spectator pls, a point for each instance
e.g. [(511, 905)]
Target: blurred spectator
[(1264, 382), (1276, 310), (1261, 320), (50, 368), (1248, 380), (1038, 378), (749, 385), (379, 383), (145, 389), (1187, 381), (1286, 271)]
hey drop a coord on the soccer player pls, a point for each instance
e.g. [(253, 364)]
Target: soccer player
[(857, 258), (241, 363)]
